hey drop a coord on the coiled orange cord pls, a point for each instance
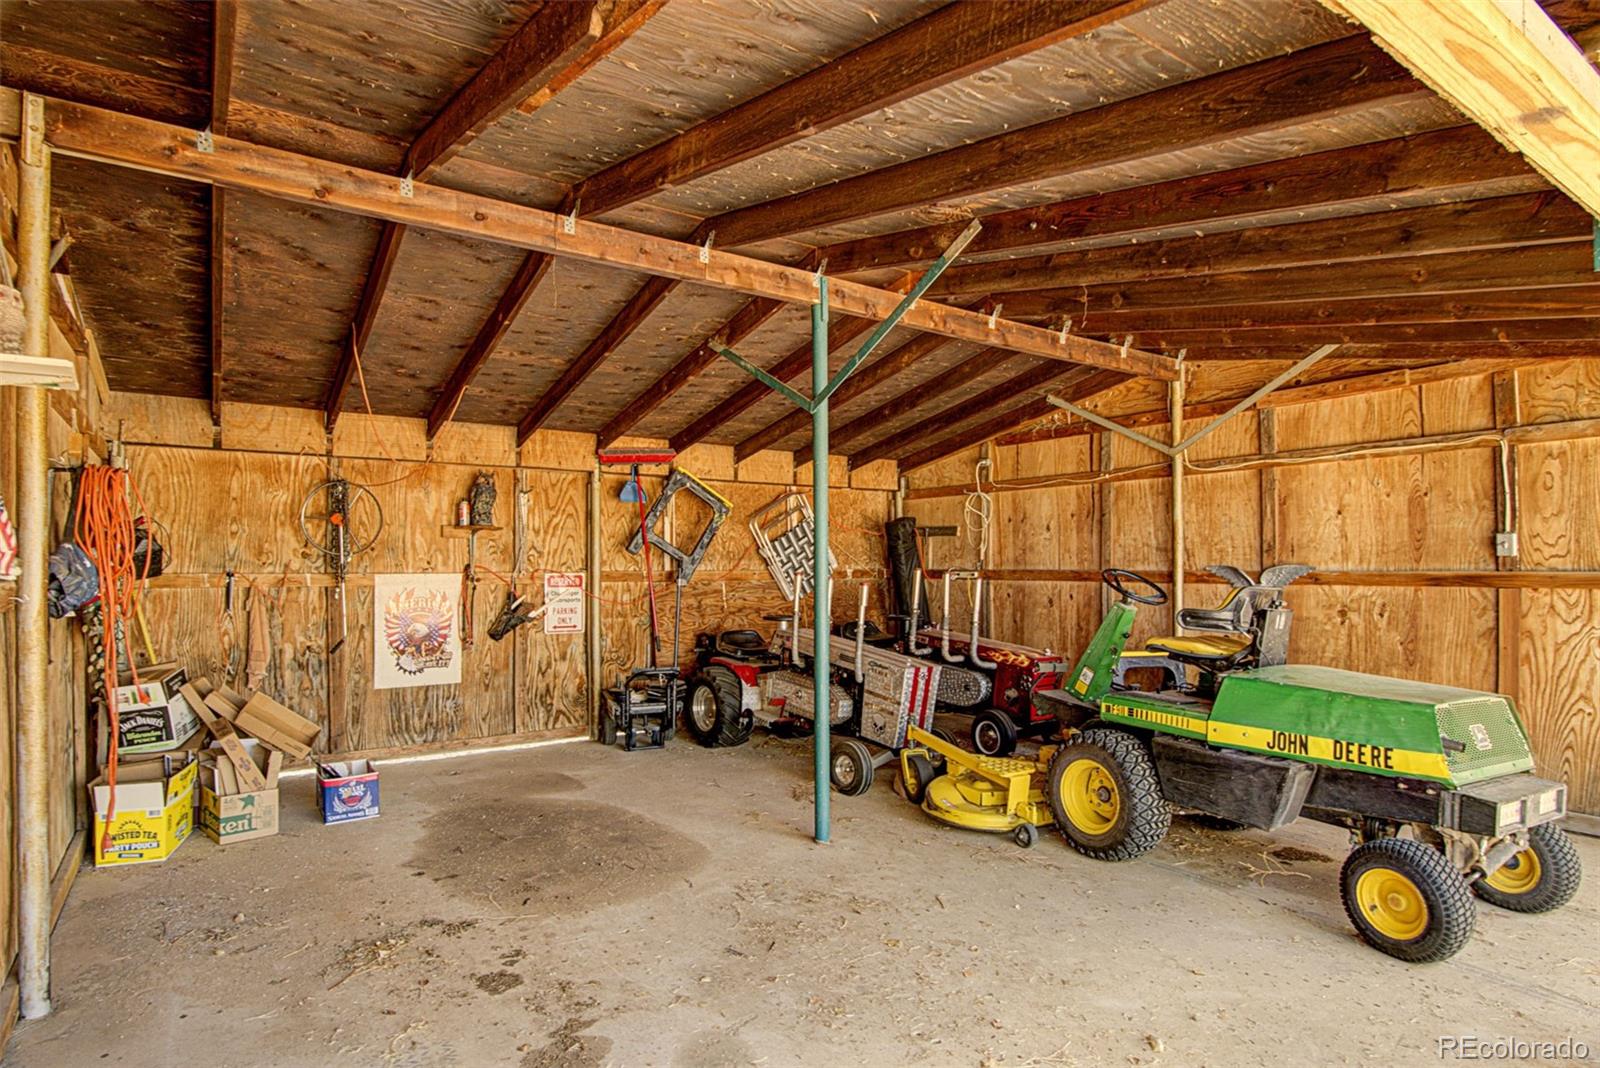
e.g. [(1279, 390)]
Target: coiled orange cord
[(105, 532)]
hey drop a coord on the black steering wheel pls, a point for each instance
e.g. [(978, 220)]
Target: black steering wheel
[(1113, 576)]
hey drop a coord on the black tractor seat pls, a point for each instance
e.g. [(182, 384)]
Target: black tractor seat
[(872, 634), (742, 644)]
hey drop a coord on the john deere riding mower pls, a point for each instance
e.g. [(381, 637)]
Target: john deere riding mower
[(1434, 783)]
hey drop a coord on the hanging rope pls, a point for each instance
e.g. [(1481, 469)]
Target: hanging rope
[(105, 532), (978, 510)]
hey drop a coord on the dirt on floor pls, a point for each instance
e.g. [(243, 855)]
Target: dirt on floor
[(574, 906)]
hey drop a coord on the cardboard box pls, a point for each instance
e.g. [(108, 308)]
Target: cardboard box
[(284, 730), (154, 811), (212, 708), (347, 790), (229, 813), (153, 715)]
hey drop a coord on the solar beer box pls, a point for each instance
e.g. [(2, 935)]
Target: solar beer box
[(347, 790)]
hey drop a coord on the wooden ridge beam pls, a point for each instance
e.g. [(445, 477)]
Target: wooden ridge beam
[(1565, 264), (746, 321), (1063, 425), (555, 37), (965, 410), (1312, 85), (1509, 67), (954, 41), (614, 333), (1439, 166), (873, 374), (1085, 385), (109, 137), (914, 398), (1504, 222), (841, 332), (528, 276), (1574, 301)]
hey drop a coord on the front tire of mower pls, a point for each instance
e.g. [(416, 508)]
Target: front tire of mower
[(993, 733), (1540, 878), (1405, 899), (850, 766), (917, 771), (1106, 797), (715, 710)]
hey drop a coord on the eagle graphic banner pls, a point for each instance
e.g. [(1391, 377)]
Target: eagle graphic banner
[(416, 639)]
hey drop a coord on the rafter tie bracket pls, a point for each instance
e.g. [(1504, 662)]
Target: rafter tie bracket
[(407, 189), (816, 279), (569, 222), (1066, 328), (204, 142), (705, 249), (994, 315)]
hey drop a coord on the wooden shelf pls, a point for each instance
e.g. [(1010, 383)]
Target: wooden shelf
[(19, 370)]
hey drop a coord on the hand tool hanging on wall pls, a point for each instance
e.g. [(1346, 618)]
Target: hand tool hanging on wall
[(633, 493), (512, 615), (687, 560), (352, 519)]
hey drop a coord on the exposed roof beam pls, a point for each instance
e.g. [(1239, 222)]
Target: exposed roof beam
[(528, 276), (954, 41), (951, 43), (1566, 264), (966, 371), (841, 331), (1084, 386), (1503, 222), (1458, 163), (746, 321), (624, 18), (965, 410), (1480, 332), (224, 31), (1409, 350), (874, 374), (1509, 67), (1316, 84), (93, 133), (542, 48)]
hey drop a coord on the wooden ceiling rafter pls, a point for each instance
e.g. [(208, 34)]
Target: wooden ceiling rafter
[(541, 49), (951, 43), (224, 37)]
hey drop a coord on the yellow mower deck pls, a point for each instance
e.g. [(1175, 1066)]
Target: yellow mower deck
[(980, 793)]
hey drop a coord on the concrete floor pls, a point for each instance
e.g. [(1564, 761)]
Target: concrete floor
[(578, 906)]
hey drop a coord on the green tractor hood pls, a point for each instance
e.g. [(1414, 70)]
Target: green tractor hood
[(1370, 723)]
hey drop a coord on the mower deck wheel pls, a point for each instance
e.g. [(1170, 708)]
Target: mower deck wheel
[(917, 772), (1026, 835), (993, 733), (1540, 878), (1105, 795), (850, 766), (1405, 899), (715, 711)]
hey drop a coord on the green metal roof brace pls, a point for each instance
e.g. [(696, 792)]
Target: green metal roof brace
[(817, 405)]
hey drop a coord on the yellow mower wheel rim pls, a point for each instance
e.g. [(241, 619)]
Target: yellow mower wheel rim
[(1089, 794), (1392, 904), (1519, 875)]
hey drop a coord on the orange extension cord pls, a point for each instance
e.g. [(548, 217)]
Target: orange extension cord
[(105, 532)]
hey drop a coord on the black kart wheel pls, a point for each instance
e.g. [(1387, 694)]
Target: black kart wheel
[(917, 771), (1026, 835), (1106, 797), (715, 710), (993, 733), (850, 766), (1405, 899), (608, 720), (1540, 878)]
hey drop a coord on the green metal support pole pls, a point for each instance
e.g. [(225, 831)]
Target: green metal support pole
[(820, 579)]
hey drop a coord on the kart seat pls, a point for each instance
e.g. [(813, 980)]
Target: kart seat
[(871, 633), (741, 644)]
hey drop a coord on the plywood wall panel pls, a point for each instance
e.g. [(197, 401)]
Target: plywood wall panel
[(1558, 679), (551, 669), (1410, 633), (1558, 499), (1569, 389)]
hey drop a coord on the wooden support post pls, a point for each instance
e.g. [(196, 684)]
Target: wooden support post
[(1267, 440), (1101, 457), (596, 638), (33, 529), (1175, 411)]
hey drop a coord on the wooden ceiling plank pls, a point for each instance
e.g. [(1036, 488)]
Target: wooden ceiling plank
[(964, 410), (953, 42), (1511, 69), (873, 375), (1455, 163), (489, 335), (1312, 85), (914, 398), (1502, 222), (744, 322), (1085, 385)]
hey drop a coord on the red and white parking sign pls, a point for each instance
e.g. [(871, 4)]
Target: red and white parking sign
[(563, 601)]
